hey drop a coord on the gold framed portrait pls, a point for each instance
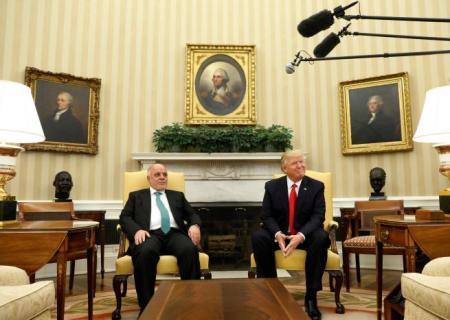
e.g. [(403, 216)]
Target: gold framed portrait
[(220, 84), (375, 114), (68, 108)]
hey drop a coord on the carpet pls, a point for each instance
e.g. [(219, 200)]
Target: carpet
[(359, 304)]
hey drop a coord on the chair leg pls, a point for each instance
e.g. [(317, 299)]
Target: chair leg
[(358, 270), (346, 263), (252, 273), (330, 280), (337, 278), (72, 272), (118, 281), (32, 277), (206, 274)]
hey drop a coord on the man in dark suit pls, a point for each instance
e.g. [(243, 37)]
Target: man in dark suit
[(293, 212), (154, 221)]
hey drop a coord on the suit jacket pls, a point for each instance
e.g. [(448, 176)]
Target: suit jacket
[(309, 210), (136, 214)]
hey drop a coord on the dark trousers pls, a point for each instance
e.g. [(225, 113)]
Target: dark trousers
[(146, 256), (316, 246)]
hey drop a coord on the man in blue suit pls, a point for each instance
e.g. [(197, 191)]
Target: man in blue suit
[(293, 212), (154, 221)]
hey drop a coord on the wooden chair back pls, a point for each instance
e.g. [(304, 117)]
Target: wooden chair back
[(365, 211), (46, 211)]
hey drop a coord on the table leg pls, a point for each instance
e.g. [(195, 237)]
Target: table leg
[(410, 253), (61, 262), (91, 278), (379, 262), (102, 249)]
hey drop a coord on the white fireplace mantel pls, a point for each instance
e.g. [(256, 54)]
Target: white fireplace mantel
[(212, 177)]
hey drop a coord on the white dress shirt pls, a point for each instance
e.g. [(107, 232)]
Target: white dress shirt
[(155, 214)]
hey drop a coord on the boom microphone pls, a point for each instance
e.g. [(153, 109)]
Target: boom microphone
[(328, 44), (321, 21)]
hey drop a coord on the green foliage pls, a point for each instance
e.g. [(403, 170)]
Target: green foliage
[(178, 137)]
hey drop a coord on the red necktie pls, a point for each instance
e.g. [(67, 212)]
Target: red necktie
[(292, 202)]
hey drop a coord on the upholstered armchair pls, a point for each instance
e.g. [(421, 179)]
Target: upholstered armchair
[(21, 300), (427, 294), (167, 263), (296, 261)]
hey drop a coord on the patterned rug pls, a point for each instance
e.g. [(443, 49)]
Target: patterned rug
[(359, 304)]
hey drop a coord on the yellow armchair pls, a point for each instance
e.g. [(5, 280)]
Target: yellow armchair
[(296, 261), (167, 263)]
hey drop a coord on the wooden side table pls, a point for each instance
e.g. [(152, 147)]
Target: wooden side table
[(431, 236), (99, 216)]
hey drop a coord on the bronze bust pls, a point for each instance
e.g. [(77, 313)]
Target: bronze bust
[(63, 184), (377, 180)]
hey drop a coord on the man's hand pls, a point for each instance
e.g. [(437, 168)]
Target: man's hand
[(194, 234), (281, 239), (140, 236), (294, 241)]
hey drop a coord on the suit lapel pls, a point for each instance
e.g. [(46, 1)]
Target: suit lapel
[(146, 199), (284, 193), (302, 192)]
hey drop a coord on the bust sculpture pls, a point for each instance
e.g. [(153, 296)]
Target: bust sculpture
[(377, 180), (63, 184)]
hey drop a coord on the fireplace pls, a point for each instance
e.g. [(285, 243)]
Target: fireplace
[(226, 189)]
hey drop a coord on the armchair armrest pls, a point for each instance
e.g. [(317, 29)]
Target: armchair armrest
[(439, 267), (123, 242), (331, 228), (13, 276)]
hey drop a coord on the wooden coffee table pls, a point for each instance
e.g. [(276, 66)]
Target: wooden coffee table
[(223, 299)]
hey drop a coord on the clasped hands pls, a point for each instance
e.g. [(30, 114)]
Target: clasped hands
[(294, 241), (193, 232)]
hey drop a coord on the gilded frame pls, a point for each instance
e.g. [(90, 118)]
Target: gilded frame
[(234, 103), (75, 131), (388, 129)]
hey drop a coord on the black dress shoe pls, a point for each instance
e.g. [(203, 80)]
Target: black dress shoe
[(312, 309)]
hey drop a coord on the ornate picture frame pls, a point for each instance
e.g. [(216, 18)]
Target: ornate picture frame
[(375, 114), (220, 84), (68, 107)]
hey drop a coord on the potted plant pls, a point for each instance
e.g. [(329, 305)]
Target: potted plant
[(278, 138)]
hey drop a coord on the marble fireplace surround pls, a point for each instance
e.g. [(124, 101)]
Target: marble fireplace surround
[(219, 177)]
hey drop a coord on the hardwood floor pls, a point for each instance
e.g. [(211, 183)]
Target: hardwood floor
[(368, 281)]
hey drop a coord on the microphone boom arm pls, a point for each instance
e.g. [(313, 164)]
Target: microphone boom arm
[(417, 19), (402, 36)]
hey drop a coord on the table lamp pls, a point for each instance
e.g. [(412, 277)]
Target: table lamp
[(434, 127), (19, 123)]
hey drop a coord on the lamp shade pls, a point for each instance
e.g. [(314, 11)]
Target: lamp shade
[(434, 123), (19, 121)]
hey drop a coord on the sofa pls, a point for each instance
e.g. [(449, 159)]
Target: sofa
[(427, 294), (21, 300)]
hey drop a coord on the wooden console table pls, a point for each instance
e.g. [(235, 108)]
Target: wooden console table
[(30, 245), (223, 299), (431, 236), (99, 216)]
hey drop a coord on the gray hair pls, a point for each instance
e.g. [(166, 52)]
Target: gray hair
[(222, 73), (378, 98), (68, 96)]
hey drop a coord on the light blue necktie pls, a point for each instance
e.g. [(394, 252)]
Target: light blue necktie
[(165, 219)]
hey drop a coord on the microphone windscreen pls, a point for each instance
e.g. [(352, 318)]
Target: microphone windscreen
[(316, 23), (328, 44)]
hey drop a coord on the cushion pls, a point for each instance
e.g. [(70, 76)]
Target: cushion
[(26, 301), (296, 261), (167, 264), (438, 267), (413, 311), (11, 276), (363, 241), (428, 292)]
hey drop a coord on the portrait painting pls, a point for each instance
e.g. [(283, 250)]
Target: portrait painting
[(375, 114), (220, 84), (68, 108)]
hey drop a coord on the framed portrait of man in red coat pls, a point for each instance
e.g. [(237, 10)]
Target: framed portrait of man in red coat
[(68, 108)]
